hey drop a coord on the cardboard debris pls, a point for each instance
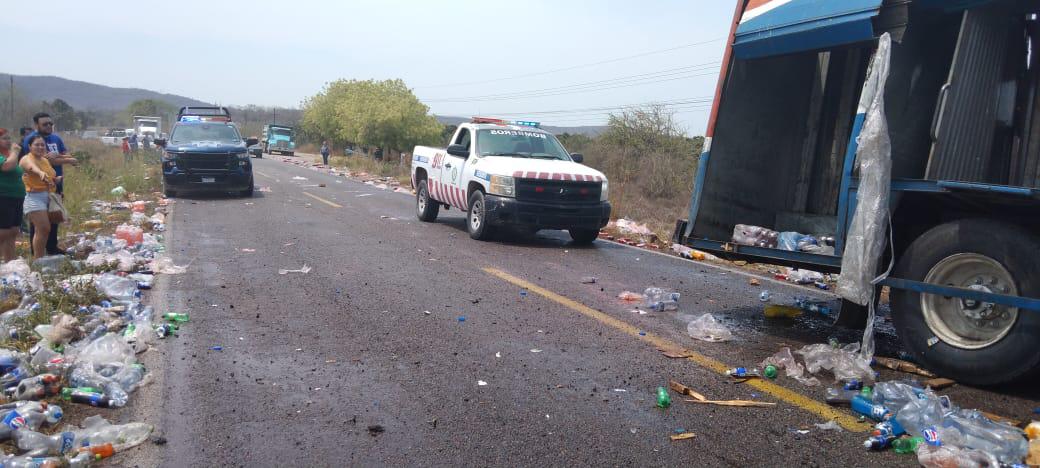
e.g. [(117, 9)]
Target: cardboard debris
[(683, 436), (939, 383), (698, 398), (675, 353), (902, 366)]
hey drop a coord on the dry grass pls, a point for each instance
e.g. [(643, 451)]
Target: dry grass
[(101, 169), (376, 168)]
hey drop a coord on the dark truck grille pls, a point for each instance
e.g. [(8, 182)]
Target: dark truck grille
[(557, 191), (204, 162)]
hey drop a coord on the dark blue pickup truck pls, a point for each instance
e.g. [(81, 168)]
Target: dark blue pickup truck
[(206, 156)]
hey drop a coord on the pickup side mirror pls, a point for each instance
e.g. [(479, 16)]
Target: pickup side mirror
[(458, 150), (252, 141), (160, 142), (577, 157)]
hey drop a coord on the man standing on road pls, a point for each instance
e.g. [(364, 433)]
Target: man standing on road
[(133, 143), (325, 152), (57, 155)]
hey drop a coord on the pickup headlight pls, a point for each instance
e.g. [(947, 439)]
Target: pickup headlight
[(502, 186), (242, 155), (604, 192)]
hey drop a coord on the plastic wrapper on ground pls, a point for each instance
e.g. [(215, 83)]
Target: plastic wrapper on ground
[(708, 328)]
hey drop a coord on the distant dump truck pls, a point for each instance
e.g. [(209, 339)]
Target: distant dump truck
[(148, 125), (278, 139), (962, 105)]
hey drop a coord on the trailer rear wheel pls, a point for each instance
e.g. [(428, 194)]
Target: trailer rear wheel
[(971, 341)]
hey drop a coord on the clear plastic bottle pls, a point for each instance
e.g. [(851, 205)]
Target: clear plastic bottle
[(35, 444), (85, 376), (35, 388), (659, 299)]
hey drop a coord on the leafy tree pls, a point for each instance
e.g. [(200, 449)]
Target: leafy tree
[(377, 113), (150, 107), (64, 116)]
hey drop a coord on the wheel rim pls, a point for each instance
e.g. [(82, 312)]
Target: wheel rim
[(965, 323), (422, 201), (476, 214)]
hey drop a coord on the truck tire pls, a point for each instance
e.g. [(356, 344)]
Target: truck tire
[(425, 208), (292, 153), (971, 342), (476, 217), (248, 193), (583, 236)]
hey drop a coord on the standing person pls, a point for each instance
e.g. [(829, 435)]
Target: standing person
[(12, 195), (40, 180), (57, 155), (126, 150), (146, 142), (325, 152), (133, 142)]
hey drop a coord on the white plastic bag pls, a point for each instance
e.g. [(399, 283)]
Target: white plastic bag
[(708, 328)]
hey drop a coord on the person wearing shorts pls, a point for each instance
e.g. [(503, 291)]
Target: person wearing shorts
[(12, 195), (40, 180)]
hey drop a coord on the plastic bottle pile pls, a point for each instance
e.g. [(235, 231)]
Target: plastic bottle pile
[(86, 357)]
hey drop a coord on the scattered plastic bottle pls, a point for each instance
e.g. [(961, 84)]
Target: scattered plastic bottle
[(164, 330), (35, 388), (659, 300), (66, 393), (889, 428), (853, 384), (906, 445), (175, 317), (664, 400), (93, 399), (744, 373), (764, 296), (867, 408), (877, 442), (770, 372), (99, 451), (36, 444), (866, 392), (12, 378), (840, 396)]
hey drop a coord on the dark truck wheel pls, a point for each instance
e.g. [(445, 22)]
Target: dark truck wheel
[(583, 236), (425, 208), (476, 217), (248, 193), (969, 341)]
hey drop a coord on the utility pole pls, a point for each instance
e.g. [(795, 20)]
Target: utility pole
[(274, 116), (11, 110)]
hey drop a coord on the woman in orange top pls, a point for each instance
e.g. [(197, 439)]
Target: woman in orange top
[(40, 180)]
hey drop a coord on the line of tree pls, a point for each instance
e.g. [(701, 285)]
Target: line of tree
[(372, 113)]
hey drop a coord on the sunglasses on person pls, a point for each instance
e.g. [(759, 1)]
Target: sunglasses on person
[(47, 124)]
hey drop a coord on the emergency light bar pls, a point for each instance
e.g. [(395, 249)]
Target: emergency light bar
[(521, 123)]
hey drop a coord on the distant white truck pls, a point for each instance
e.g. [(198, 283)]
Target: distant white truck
[(510, 174), (148, 125)]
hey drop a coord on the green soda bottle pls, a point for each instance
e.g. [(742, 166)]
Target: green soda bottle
[(906, 445), (129, 330), (66, 393), (663, 399), (867, 392), (175, 317), (769, 372)]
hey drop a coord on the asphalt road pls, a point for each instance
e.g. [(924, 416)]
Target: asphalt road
[(408, 343)]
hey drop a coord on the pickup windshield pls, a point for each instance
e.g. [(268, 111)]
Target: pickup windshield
[(208, 132), (520, 143)]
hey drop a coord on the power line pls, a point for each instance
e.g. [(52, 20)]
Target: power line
[(665, 103), (573, 67), (578, 88)]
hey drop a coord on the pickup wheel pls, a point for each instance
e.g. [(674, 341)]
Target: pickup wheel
[(583, 236), (971, 341), (169, 193), (476, 217), (425, 208), (248, 193)]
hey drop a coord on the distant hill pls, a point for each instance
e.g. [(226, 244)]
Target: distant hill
[(87, 96), (588, 130)]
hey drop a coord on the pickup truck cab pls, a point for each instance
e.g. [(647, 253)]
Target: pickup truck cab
[(510, 174), (206, 156)]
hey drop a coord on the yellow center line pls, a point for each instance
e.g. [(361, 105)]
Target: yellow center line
[(334, 205), (804, 402), (261, 173)]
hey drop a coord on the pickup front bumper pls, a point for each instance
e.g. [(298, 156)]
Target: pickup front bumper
[(504, 211)]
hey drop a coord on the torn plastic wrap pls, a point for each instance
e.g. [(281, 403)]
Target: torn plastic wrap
[(865, 241)]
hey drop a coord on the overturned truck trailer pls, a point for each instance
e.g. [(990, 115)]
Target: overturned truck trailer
[(963, 115)]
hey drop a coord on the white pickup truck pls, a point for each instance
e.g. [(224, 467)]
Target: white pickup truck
[(510, 174)]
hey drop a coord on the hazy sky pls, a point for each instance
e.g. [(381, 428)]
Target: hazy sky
[(279, 52)]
